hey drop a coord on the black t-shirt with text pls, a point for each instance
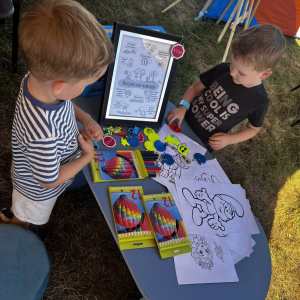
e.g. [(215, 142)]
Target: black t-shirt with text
[(224, 104)]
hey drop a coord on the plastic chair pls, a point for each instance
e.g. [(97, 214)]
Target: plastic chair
[(24, 265)]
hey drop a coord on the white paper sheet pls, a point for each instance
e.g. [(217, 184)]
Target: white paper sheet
[(236, 257), (208, 263), (211, 171), (214, 208)]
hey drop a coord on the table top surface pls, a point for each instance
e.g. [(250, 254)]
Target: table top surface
[(156, 277)]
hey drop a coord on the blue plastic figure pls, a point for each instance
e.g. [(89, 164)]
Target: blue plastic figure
[(96, 146), (133, 141), (160, 146), (200, 158), (167, 159), (134, 130)]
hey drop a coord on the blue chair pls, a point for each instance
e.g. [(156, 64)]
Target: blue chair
[(24, 264)]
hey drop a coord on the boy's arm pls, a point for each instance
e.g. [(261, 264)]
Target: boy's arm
[(189, 95), (221, 140), (70, 169), (91, 127)]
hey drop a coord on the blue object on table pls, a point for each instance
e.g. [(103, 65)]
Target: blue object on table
[(24, 265), (160, 146), (96, 146), (133, 141), (134, 130), (167, 159), (200, 158)]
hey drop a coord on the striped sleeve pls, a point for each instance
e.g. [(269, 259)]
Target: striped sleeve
[(44, 159)]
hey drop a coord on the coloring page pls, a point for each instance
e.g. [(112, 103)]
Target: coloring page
[(139, 77), (209, 262), (182, 149), (211, 171), (215, 208)]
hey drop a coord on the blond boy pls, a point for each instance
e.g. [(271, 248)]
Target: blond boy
[(230, 93), (65, 49)]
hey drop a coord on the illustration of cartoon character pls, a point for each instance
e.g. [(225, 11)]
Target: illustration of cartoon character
[(173, 171), (207, 178), (201, 252), (142, 73), (125, 106), (222, 208), (136, 73), (127, 93), (142, 111), (127, 74)]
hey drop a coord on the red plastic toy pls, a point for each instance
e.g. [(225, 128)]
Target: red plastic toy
[(175, 128)]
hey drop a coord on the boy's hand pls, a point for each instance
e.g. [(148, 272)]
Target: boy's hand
[(219, 140), (176, 113), (85, 144), (92, 129)]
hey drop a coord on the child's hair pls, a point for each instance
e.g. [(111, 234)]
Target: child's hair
[(60, 39), (260, 46)]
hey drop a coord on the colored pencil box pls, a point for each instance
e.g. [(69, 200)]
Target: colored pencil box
[(117, 165), (170, 234), (131, 221)]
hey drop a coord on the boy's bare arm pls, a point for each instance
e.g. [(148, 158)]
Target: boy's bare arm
[(90, 126), (190, 94), (70, 169), (221, 140)]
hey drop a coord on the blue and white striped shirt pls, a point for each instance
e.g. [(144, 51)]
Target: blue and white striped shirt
[(43, 138)]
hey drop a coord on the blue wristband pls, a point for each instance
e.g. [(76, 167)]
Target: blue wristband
[(185, 103)]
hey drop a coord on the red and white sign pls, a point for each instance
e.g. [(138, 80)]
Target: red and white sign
[(109, 141), (177, 51)]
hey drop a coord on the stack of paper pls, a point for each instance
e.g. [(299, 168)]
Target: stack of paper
[(217, 217)]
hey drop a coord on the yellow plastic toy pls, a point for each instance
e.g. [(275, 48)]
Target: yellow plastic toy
[(124, 142), (171, 139), (149, 146), (153, 137), (148, 130), (183, 149)]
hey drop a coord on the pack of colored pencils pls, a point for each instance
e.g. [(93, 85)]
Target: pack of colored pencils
[(170, 234), (131, 221), (150, 160), (117, 165)]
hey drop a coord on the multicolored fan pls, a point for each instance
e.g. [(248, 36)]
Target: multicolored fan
[(163, 222), (118, 168), (127, 214)]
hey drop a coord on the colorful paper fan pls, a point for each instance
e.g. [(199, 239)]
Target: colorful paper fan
[(118, 168), (126, 212), (162, 220)]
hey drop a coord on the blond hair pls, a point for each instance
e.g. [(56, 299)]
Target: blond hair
[(260, 46), (60, 39)]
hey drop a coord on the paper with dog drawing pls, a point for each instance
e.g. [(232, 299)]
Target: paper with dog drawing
[(215, 208), (209, 262)]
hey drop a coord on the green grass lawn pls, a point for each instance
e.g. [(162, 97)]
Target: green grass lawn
[(86, 262)]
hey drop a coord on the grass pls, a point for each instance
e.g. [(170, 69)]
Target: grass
[(86, 262)]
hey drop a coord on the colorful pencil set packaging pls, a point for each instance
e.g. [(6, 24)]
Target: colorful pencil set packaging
[(131, 221), (170, 234), (117, 165)]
